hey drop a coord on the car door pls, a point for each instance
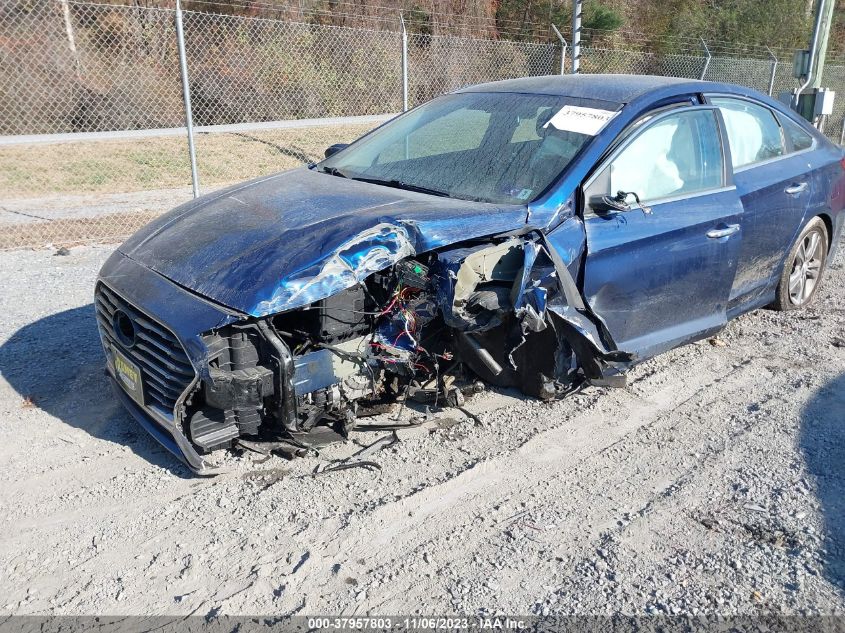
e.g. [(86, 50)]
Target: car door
[(659, 273), (774, 186)]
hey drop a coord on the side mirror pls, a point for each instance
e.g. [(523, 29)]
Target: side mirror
[(603, 204), (334, 149), (609, 204)]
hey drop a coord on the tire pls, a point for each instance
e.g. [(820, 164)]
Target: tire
[(803, 269)]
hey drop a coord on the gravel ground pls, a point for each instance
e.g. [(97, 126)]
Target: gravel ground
[(712, 484)]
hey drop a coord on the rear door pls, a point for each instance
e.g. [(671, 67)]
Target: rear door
[(660, 272), (774, 185)]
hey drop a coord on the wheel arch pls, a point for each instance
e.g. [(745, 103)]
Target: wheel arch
[(828, 223)]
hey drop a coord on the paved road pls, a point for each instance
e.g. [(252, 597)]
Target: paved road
[(24, 211)]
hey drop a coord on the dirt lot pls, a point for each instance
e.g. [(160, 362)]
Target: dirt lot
[(712, 484)]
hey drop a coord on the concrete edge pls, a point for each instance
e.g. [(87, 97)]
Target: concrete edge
[(73, 137)]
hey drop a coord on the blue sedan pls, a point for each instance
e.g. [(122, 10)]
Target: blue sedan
[(541, 233)]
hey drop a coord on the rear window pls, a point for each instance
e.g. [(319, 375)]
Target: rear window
[(753, 132), (798, 137)]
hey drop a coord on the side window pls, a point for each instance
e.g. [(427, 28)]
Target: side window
[(798, 137), (458, 131), (675, 155), (753, 131)]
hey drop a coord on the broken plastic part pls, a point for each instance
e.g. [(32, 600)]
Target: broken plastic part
[(287, 401)]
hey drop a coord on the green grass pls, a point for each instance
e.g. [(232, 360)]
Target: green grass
[(159, 163)]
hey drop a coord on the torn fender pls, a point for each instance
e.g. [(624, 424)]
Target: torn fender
[(519, 295), (549, 295), (473, 284)]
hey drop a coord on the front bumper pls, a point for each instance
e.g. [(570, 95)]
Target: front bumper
[(163, 432), (187, 317)]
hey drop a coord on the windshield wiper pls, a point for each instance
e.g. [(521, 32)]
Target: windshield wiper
[(398, 184), (333, 171)]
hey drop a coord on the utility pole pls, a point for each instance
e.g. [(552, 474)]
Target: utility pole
[(815, 104), (825, 9)]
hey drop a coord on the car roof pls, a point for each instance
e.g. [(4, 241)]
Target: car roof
[(619, 89)]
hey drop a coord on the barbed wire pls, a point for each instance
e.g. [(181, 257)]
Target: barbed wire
[(336, 10), (690, 44), (382, 17)]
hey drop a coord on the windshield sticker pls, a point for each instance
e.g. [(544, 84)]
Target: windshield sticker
[(581, 120), (524, 194)]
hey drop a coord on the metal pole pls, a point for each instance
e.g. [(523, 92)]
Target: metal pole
[(576, 36), (817, 26), (706, 61), (562, 49), (186, 93), (774, 70), (826, 9), (404, 64)]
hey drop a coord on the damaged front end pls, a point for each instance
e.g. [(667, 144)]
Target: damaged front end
[(501, 309), (384, 274)]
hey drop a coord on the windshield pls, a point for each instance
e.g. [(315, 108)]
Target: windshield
[(489, 147)]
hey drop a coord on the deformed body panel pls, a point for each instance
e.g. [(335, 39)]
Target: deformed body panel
[(263, 249)]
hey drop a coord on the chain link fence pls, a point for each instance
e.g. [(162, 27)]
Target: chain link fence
[(76, 67), (102, 82), (440, 64)]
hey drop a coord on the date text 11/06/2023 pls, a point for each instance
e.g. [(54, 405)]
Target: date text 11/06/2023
[(419, 623)]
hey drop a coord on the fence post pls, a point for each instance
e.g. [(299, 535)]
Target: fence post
[(186, 94), (576, 36), (774, 70), (404, 64), (706, 61), (562, 49)]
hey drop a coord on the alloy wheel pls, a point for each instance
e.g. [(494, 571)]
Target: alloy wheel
[(806, 268)]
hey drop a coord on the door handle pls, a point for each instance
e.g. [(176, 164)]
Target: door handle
[(727, 231), (794, 190)]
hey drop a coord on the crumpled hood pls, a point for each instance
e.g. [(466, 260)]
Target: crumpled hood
[(287, 240)]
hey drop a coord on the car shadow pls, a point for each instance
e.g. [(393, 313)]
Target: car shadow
[(58, 364), (822, 442)]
